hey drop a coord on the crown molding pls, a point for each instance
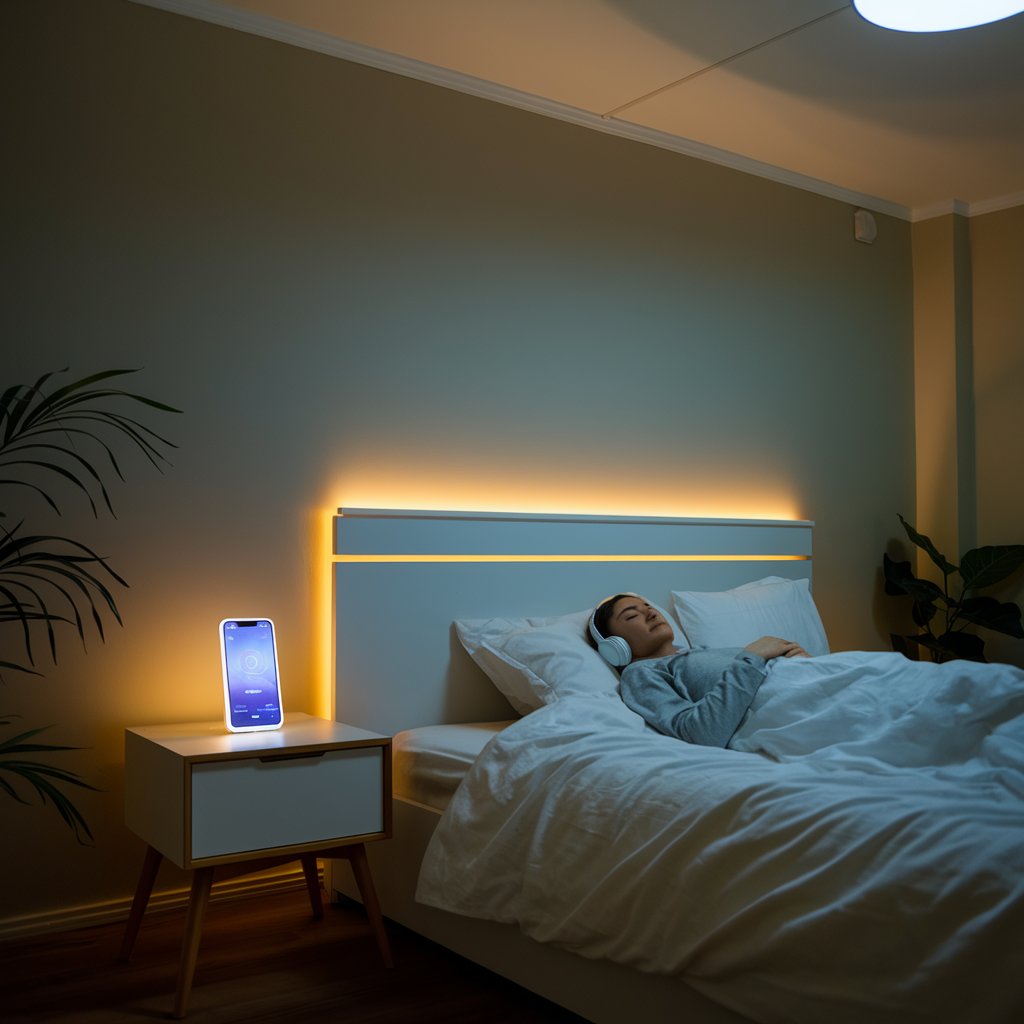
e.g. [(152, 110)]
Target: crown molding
[(999, 203), (965, 209), (947, 206)]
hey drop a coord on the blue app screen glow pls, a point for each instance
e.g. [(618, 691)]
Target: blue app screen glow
[(252, 672)]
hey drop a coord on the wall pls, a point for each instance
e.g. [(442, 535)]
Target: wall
[(969, 368), (997, 259), (363, 289), (944, 396)]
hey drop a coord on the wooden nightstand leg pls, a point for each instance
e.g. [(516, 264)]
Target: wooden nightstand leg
[(309, 869), (364, 880), (150, 867), (202, 881)]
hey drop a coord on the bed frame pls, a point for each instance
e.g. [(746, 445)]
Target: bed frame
[(400, 580)]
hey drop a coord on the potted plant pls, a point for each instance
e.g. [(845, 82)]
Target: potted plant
[(54, 442), (944, 618)]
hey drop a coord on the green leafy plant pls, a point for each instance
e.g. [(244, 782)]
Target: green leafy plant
[(53, 443), (944, 618), (44, 778)]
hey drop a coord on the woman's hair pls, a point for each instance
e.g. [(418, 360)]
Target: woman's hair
[(604, 613)]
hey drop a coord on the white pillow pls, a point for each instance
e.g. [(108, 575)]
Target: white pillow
[(769, 607), (534, 661)]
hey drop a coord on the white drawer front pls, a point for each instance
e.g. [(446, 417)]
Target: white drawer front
[(250, 804)]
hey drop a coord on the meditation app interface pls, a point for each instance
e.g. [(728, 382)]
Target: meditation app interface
[(252, 672)]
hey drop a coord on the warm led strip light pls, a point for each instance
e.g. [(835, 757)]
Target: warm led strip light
[(571, 558), (437, 538)]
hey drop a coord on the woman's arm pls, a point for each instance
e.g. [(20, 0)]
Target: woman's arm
[(772, 647), (706, 711)]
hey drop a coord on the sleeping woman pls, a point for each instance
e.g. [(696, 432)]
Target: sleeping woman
[(697, 696)]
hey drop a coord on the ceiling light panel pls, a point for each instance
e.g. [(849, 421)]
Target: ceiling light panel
[(935, 15)]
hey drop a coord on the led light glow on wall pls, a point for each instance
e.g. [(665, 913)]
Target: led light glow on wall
[(935, 15), (321, 633), (723, 506), (400, 485)]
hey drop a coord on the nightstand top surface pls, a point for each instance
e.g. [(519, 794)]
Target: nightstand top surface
[(198, 739)]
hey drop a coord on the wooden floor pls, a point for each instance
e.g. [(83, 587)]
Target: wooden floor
[(262, 960)]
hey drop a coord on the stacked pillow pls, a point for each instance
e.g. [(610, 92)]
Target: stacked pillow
[(733, 618)]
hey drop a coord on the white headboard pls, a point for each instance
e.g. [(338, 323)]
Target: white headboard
[(402, 577)]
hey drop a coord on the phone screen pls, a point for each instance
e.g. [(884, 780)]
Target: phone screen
[(252, 694)]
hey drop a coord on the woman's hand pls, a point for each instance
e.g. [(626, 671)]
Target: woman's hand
[(769, 647)]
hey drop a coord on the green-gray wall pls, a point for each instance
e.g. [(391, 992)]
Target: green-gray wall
[(365, 289)]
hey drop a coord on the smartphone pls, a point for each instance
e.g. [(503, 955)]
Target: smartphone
[(252, 691)]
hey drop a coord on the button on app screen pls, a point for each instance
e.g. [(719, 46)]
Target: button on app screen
[(252, 675)]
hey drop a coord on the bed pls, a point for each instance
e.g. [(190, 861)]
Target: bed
[(696, 883)]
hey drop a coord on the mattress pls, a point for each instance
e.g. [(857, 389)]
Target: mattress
[(429, 762)]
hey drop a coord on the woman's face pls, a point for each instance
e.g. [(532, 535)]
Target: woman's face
[(641, 625)]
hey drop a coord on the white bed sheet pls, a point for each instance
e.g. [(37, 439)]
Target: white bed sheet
[(429, 762), (859, 857)]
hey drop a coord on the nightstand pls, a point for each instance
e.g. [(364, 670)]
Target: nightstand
[(212, 801)]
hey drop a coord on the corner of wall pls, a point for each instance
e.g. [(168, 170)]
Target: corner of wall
[(946, 487)]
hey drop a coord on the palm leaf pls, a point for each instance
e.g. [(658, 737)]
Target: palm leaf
[(32, 419), (14, 742), (90, 470), (16, 611), (27, 570), (136, 432), (27, 439), (38, 776), (52, 402), (66, 436), (21, 550), (16, 402), (32, 487), (65, 397), (53, 467), (49, 617), (17, 668)]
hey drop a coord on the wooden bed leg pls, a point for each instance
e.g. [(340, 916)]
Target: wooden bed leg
[(309, 869), (150, 867), (364, 880)]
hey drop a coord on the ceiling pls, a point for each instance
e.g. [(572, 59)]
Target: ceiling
[(801, 91)]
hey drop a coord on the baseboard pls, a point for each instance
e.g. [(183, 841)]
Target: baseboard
[(109, 911)]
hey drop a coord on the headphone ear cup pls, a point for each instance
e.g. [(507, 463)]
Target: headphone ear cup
[(615, 651)]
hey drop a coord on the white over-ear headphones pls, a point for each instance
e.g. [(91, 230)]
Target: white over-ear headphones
[(613, 649)]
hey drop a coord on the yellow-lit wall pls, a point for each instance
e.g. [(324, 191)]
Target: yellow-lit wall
[(969, 369), (997, 262), (367, 290), (943, 399)]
